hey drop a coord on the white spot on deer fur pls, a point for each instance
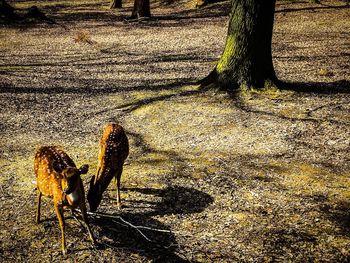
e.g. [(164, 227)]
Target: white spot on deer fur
[(74, 196)]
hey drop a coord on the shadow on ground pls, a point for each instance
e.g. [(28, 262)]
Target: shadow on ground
[(338, 213), (341, 86), (177, 201)]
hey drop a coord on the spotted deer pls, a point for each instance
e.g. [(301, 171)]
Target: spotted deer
[(58, 178), (114, 149)]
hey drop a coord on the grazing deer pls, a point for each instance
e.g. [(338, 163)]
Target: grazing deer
[(58, 178), (114, 148)]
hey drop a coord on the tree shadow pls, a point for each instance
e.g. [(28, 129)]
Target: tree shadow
[(339, 214), (89, 89), (341, 86), (130, 107), (312, 8), (279, 241)]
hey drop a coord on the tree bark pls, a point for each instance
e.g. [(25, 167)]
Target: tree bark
[(247, 59), (141, 9), (116, 4)]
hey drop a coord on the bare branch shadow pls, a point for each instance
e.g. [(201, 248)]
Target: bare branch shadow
[(129, 107)]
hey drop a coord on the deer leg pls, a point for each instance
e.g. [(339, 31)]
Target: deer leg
[(119, 204), (86, 221), (60, 216), (118, 176), (38, 208)]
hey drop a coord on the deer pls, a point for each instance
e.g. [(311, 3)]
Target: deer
[(113, 150), (59, 179)]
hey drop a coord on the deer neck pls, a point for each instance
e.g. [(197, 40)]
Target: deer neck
[(74, 198)]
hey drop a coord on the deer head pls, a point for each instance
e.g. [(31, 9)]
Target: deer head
[(70, 176)]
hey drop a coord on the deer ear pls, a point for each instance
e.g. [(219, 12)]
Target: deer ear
[(58, 167), (84, 169)]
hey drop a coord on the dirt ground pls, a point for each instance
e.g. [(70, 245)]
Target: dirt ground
[(254, 177)]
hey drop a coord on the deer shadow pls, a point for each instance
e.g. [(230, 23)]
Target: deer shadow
[(159, 246)]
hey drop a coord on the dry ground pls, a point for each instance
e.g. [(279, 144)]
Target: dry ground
[(253, 178)]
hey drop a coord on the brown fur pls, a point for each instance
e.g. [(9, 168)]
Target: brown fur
[(114, 149), (58, 178)]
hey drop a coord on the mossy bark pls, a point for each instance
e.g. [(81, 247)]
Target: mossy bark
[(141, 9), (247, 59), (116, 4)]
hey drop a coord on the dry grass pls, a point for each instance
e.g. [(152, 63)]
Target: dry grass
[(253, 177)]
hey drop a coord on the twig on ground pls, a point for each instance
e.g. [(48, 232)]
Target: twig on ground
[(155, 229), (135, 227), (128, 224)]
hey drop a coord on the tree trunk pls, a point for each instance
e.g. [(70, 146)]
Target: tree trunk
[(247, 59), (116, 4), (141, 9)]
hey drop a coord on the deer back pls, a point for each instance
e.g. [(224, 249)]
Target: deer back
[(113, 150), (57, 175)]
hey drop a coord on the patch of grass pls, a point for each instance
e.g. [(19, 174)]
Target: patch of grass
[(18, 174), (292, 111), (270, 91), (309, 180), (325, 73), (16, 67)]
